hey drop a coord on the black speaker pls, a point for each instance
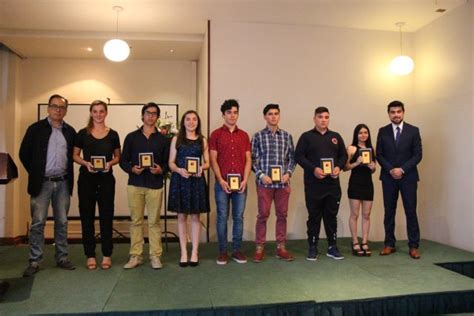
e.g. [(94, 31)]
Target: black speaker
[(8, 169)]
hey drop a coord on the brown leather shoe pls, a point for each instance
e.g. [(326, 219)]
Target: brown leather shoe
[(414, 253), (284, 254), (387, 251), (259, 254)]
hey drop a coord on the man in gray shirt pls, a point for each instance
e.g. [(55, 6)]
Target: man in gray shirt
[(46, 154)]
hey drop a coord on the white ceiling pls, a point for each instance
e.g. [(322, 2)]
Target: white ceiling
[(65, 28)]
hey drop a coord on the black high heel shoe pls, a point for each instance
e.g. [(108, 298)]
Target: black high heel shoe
[(194, 263), (366, 249), (357, 250), (183, 264)]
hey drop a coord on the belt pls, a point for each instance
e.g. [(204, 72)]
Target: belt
[(56, 179)]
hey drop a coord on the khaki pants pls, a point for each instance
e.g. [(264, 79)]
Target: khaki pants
[(138, 198)]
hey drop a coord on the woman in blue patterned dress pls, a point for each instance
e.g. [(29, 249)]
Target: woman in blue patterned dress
[(188, 192)]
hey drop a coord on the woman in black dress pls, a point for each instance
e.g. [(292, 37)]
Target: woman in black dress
[(188, 192), (96, 184), (361, 188)]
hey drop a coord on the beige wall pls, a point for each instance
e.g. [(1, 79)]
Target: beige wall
[(82, 81), (9, 112), (202, 85), (202, 107), (444, 101), (300, 68), (3, 87)]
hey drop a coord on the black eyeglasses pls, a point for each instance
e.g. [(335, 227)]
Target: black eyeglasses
[(57, 107), (151, 113)]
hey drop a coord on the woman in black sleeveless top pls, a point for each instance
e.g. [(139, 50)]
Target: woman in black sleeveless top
[(361, 188)]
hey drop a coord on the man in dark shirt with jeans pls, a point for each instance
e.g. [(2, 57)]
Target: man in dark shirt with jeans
[(145, 185), (46, 154), (322, 191)]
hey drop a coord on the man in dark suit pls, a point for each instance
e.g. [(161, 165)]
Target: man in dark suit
[(399, 152)]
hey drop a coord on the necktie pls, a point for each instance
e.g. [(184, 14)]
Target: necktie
[(397, 136)]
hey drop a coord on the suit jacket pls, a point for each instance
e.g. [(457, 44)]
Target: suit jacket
[(33, 153), (406, 155)]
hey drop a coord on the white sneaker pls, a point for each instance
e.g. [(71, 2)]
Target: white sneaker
[(155, 262), (133, 262)]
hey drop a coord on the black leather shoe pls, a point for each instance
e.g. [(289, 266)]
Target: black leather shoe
[(183, 264), (66, 265), (194, 263), (31, 269)]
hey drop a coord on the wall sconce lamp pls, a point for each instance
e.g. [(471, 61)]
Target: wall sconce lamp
[(116, 50), (401, 65)]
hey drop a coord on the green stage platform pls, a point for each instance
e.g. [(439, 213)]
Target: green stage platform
[(210, 289)]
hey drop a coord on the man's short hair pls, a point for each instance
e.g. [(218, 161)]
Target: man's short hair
[(269, 107), (54, 96), (321, 109), (151, 105), (229, 104), (395, 104)]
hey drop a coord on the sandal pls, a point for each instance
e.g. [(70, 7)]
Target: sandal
[(366, 249), (106, 263), (356, 250), (91, 264)]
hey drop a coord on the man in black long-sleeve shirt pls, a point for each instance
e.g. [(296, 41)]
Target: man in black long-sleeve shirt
[(145, 185), (322, 191)]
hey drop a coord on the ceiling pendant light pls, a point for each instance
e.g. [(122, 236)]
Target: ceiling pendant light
[(401, 65), (116, 49)]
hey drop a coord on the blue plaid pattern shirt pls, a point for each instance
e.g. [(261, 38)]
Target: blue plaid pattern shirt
[(270, 149)]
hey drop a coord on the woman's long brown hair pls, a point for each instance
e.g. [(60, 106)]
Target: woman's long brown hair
[(181, 138)]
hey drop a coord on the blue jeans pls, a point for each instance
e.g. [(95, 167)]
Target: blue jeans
[(58, 194), (238, 206)]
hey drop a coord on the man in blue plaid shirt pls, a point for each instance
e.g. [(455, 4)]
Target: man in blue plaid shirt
[(273, 161)]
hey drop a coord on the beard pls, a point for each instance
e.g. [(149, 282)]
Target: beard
[(396, 121)]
